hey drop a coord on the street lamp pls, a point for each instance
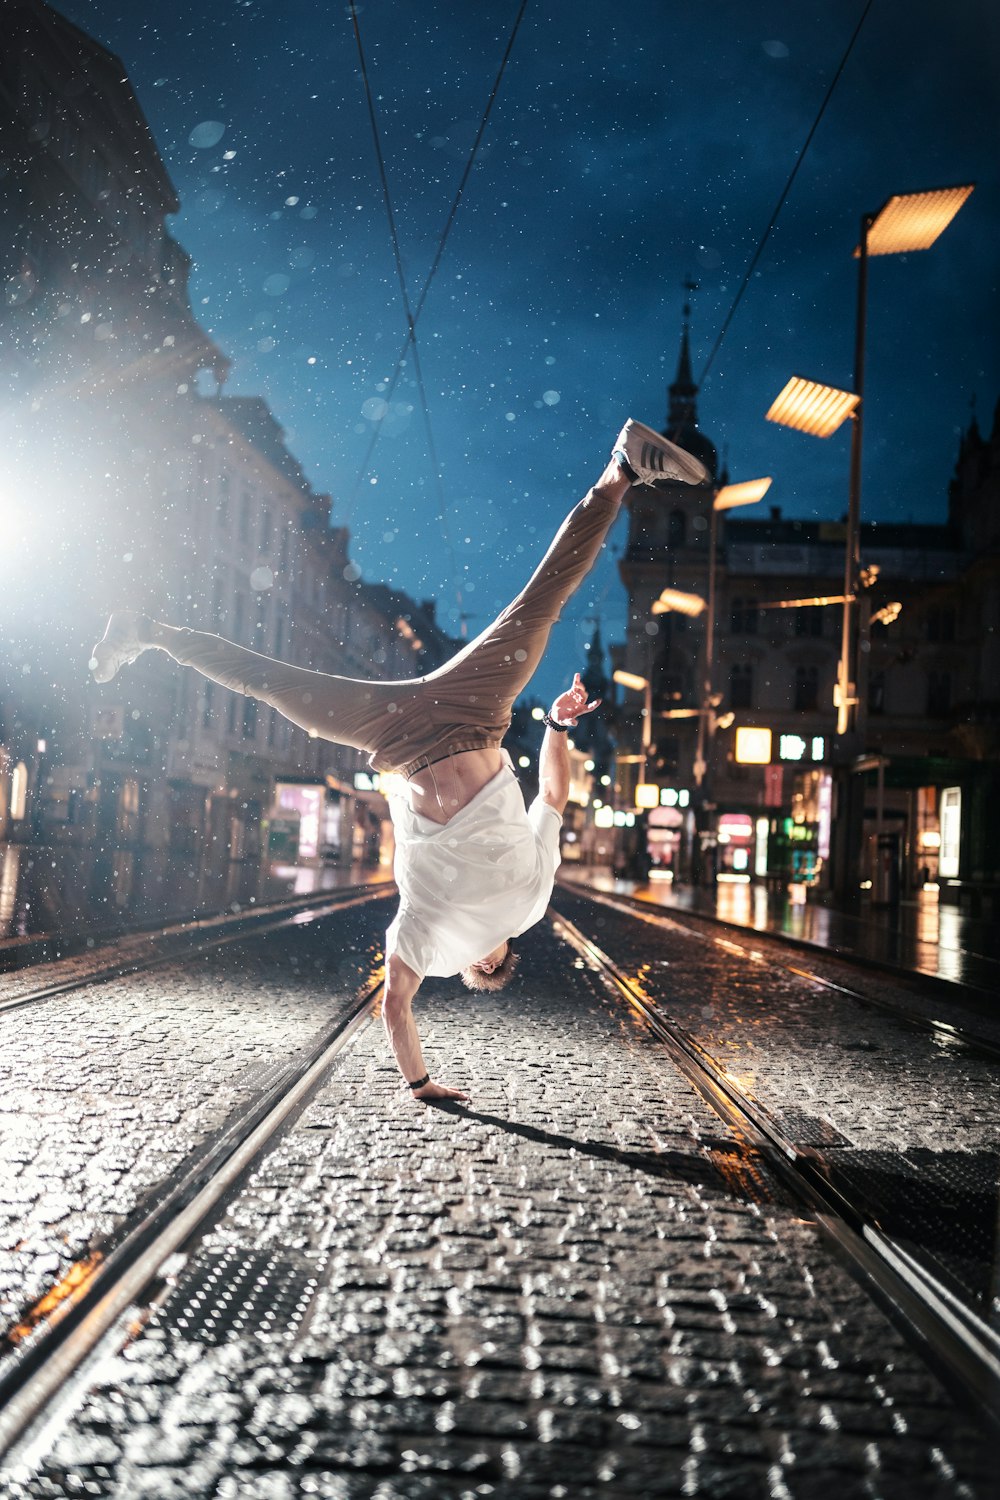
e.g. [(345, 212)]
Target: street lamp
[(726, 498), (906, 222), (640, 685)]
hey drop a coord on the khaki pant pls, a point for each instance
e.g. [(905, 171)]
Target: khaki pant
[(464, 705)]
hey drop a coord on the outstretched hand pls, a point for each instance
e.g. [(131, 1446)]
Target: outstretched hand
[(568, 707)]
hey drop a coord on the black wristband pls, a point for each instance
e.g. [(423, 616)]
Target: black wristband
[(420, 1082), (550, 723)]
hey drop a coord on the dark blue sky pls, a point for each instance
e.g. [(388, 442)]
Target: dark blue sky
[(629, 145)]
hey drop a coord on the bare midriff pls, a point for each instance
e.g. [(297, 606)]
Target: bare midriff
[(441, 790)]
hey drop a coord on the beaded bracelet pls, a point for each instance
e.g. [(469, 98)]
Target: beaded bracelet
[(551, 723)]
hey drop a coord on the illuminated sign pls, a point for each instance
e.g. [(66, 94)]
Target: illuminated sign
[(951, 832), (671, 796), (797, 747), (753, 746), (604, 817), (365, 782), (647, 794), (736, 826)]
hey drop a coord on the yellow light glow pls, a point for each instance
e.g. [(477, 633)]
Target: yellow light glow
[(816, 599), (604, 817), (681, 603), (746, 493), (647, 794), (913, 221), (630, 680), (807, 406), (753, 746)]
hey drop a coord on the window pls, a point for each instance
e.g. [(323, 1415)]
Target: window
[(207, 701), (279, 635), (806, 688), (249, 718), (265, 531), (222, 513), (741, 685), (938, 694), (677, 529), (234, 705), (239, 615), (286, 548), (809, 620), (218, 592), (245, 519), (743, 617), (876, 693)]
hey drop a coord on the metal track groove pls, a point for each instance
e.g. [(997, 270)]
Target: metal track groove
[(946, 1031), (36, 1370), (963, 1348)]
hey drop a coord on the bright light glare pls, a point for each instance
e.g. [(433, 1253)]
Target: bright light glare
[(681, 603), (913, 221), (746, 493), (630, 680), (807, 406)]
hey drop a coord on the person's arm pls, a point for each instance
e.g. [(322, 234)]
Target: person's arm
[(401, 984), (553, 761)]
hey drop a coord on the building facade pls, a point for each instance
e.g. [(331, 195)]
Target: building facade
[(133, 481), (928, 679)]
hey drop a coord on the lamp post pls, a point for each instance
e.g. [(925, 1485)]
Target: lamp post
[(726, 498), (906, 222), (640, 685)]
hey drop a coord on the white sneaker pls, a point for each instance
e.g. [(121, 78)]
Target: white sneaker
[(646, 457), (119, 645)]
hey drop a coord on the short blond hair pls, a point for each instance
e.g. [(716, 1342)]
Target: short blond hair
[(478, 979)]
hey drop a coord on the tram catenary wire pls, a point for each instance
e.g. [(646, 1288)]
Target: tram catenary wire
[(687, 922), (442, 240), (954, 1340)]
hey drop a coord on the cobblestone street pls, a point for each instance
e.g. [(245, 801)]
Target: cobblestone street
[(582, 1285)]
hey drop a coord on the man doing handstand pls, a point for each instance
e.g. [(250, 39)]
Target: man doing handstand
[(473, 866)]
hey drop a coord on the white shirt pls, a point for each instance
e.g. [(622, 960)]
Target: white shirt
[(467, 885)]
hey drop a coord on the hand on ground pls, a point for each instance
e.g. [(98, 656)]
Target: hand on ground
[(568, 707)]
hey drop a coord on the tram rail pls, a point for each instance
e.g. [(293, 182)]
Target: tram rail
[(44, 1359), (951, 1336), (744, 943), (179, 942)]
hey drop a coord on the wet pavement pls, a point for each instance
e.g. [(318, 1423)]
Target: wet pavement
[(583, 1285), (925, 934)]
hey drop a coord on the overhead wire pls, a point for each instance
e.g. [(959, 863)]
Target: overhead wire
[(410, 320), (413, 315), (784, 195)]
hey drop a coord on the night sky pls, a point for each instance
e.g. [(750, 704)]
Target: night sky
[(631, 146)]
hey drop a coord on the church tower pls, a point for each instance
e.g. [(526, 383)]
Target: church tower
[(668, 547)]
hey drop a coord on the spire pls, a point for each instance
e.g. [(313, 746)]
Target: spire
[(683, 412)]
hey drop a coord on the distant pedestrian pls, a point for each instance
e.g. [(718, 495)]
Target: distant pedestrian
[(473, 866)]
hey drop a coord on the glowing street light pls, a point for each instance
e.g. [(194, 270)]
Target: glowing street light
[(806, 406), (913, 221), (680, 603)]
